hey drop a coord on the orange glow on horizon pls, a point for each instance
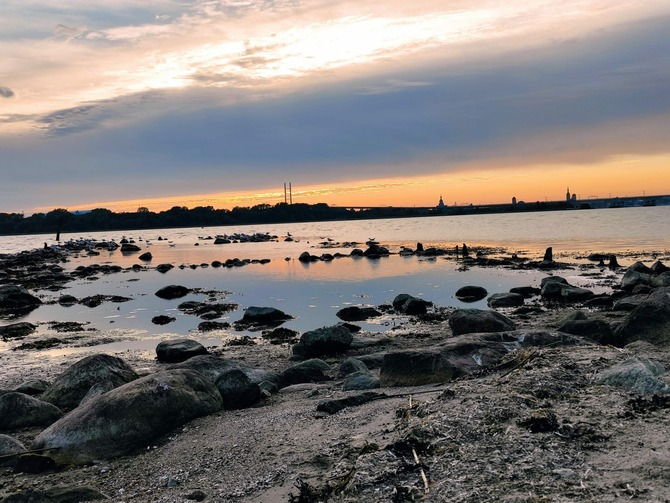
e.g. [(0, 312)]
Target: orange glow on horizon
[(619, 177)]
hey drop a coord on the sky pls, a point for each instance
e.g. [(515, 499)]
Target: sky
[(157, 103)]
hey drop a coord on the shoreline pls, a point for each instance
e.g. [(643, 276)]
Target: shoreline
[(476, 436)]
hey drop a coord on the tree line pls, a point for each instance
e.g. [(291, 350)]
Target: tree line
[(101, 219)]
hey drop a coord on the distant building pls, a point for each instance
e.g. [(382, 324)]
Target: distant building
[(567, 195), (514, 200), (441, 204)]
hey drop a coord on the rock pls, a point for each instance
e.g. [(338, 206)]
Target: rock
[(9, 446), (640, 267), (635, 374), (33, 387), (633, 278), (351, 365), (629, 303), (179, 350), (263, 316), (360, 381), (280, 335), (650, 321), (146, 257), (129, 248), (237, 390), (209, 326), (471, 293), (548, 255), (334, 406), (67, 300), (596, 330), (162, 319), (461, 355), (34, 463), (72, 385), (130, 417), (213, 366), (172, 292), (571, 315), (163, 268), (410, 305), (464, 321), (375, 250), (17, 330), (505, 300), (17, 299), (324, 341), (659, 267), (356, 313), (18, 410), (557, 288), (63, 494), (313, 370), (661, 280)]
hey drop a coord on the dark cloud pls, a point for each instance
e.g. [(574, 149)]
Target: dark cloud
[(6, 92)]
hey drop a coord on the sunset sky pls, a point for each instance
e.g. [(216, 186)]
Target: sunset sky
[(156, 103)]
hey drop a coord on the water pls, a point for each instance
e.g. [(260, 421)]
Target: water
[(314, 292)]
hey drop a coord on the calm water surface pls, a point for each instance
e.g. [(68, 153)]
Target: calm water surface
[(314, 292)]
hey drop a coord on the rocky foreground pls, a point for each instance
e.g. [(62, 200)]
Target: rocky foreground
[(554, 394)]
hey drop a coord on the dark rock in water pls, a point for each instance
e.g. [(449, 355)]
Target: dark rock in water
[(172, 292), (163, 268), (471, 293), (263, 316), (19, 411), (71, 386), (548, 255), (650, 321), (356, 313), (557, 288), (334, 406), (179, 350), (356, 252), (313, 370), (130, 417), (147, 256), (67, 300), (129, 248), (306, 257), (17, 330), (407, 304), (209, 326), (351, 365), (505, 300), (323, 341), (162, 319), (280, 335), (17, 298), (9, 449), (354, 329), (33, 463), (237, 390), (635, 374), (33, 387), (596, 330), (360, 381), (526, 291), (56, 495), (96, 300), (465, 321)]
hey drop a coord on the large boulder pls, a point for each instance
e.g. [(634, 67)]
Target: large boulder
[(596, 330), (505, 300), (558, 289), (324, 341), (263, 317), (18, 410), (237, 390), (466, 321), (635, 374), (130, 417), (71, 386), (360, 381), (17, 298), (650, 321), (213, 366), (179, 350), (461, 355)]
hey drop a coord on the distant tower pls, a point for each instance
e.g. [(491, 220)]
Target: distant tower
[(441, 204), (514, 200), (567, 195)]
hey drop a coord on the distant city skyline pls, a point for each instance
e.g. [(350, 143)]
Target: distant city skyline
[(121, 104)]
